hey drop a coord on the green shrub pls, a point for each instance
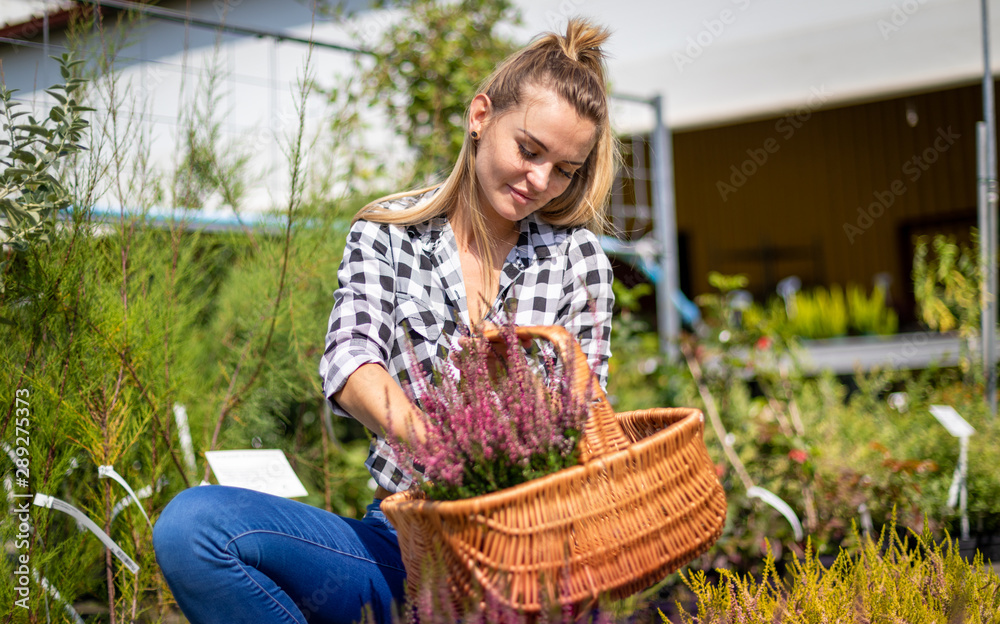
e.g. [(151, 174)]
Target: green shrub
[(820, 313), (946, 280), (869, 316), (105, 327), (893, 579), (33, 154), (946, 286)]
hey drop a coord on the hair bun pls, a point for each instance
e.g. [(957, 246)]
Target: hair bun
[(582, 43)]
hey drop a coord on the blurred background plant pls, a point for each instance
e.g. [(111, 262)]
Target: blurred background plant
[(34, 156), (840, 451), (428, 66), (946, 287)]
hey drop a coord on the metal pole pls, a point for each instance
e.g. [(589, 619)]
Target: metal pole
[(989, 277), (983, 208), (665, 229), (982, 221)]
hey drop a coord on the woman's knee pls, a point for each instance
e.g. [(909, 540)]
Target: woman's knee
[(186, 521)]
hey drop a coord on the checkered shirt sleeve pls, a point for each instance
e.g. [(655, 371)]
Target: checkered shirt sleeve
[(360, 326), (362, 330)]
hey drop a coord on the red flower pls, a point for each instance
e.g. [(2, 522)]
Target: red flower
[(763, 343), (798, 455)]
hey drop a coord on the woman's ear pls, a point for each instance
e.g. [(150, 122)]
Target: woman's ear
[(479, 112)]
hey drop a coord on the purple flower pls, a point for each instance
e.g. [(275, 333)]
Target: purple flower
[(492, 422)]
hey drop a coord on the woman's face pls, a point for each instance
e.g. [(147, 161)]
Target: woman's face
[(529, 154)]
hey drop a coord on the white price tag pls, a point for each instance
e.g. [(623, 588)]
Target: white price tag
[(263, 470)]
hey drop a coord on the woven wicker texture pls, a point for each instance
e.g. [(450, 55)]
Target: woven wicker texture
[(644, 501)]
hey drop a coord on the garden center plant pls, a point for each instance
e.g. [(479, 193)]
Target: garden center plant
[(33, 154), (910, 579), (494, 419), (946, 287)]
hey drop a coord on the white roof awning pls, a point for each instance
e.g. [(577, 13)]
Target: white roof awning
[(719, 61)]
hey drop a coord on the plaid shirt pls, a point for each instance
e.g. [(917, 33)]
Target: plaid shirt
[(405, 283)]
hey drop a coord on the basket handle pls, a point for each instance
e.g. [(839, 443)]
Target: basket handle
[(602, 433)]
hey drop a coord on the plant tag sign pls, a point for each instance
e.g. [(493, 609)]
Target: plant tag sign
[(950, 420), (48, 502), (263, 470)]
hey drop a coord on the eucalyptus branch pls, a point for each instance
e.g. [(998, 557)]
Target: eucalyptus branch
[(30, 193)]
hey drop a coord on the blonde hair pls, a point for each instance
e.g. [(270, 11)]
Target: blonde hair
[(572, 66)]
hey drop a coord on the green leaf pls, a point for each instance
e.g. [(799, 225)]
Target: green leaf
[(58, 96), (24, 156), (34, 128)]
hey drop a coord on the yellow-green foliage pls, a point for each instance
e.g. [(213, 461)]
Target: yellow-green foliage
[(946, 284), (912, 580), (820, 313), (869, 315)]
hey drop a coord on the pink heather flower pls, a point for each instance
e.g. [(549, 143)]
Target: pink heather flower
[(492, 429)]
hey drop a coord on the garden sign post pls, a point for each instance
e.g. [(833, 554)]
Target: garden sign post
[(958, 493)]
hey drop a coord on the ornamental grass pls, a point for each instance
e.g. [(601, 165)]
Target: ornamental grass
[(909, 579)]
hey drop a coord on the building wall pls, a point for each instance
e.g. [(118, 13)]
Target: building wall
[(779, 197), (163, 69)]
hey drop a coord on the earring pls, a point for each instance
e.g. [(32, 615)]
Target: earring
[(474, 135)]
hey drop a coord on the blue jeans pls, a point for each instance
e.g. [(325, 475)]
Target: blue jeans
[(233, 555)]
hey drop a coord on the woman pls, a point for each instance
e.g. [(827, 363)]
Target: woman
[(508, 226)]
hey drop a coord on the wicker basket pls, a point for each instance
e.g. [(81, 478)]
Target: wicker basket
[(644, 501)]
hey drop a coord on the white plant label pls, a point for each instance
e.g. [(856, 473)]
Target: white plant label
[(42, 500), (263, 470), (108, 472), (950, 420)]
